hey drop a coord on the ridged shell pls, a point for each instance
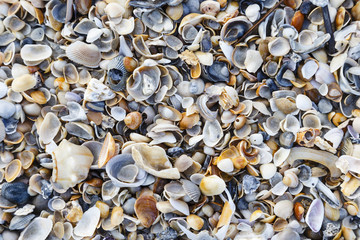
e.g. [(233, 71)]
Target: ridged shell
[(84, 54)]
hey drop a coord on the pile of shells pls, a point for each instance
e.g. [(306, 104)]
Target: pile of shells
[(179, 119)]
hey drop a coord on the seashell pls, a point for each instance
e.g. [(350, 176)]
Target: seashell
[(117, 216), (306, 137), (20, 222), (315, 215), (217, 72), (169, 113), (88, 223), (303, 102), (235, 28), (312, 121), (107, 150), (175, 12), (71, 74), (157, 21), (290, 178), (279, 47), (144, 83), (145, 209), (13, 170), (154, 161), (225, 165), (104, 209), (267, 170), (253, 60), (195, 222), (15, 192), (191, 189), (210, 7), (39, 228), (35, 52), (133, 120), (80, 130), (84, 54), (331, 213), (283, 209), (183, 162), (65, 174), (23, 83), (49, 128), (180, 206), (7, 109), (97, 91), (325, 158), (212, 133), (212, 185), (286, 105), (119, 176)]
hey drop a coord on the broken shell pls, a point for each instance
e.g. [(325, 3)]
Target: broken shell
[(154, 161), (107, 150), (65, 173)]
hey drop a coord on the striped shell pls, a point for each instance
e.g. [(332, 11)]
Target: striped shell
[(84, 54)]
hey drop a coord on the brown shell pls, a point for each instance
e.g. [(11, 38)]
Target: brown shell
[(145, 209)]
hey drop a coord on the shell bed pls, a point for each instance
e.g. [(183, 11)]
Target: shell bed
[(179, 119)]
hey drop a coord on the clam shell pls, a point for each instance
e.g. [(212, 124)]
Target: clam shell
[(39, 229), (315, 215), (49, 128), (34, 53), (279, 47), (212, 133), (145, 209), (113, 169), (23, 83), (212, 185), (88, 223), (84, 54)]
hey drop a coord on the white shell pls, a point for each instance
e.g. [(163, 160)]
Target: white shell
[(88, 223), (303, 102), (38, 229)]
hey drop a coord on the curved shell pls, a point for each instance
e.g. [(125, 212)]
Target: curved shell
[(84, 54), (71, 164), (39, 229), (115, 170), (154, 161), (35, 52), (212, 133), (235, 28), (145, 209), (144, 83)]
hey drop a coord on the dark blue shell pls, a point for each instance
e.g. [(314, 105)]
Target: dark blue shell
[(15, 192)]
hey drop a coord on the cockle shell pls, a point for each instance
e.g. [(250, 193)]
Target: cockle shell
[(71, 164), (84, 54), (212, 185), (36, 52)]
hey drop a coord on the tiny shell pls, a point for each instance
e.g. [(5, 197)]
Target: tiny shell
[(38, 229), (145, 209), (315, 215), (84, 54), (284, 209), (23, 83)]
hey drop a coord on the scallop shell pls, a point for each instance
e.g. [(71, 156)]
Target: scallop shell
[(84, 54)]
